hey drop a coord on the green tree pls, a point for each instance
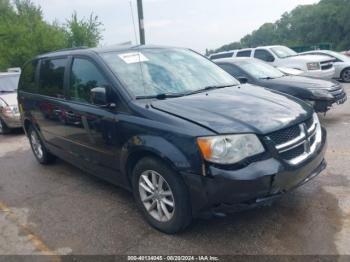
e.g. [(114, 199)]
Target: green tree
[(24, 33), (84, 32), (325, 22)]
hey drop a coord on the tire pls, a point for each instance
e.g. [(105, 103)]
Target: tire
[(173, 190), (345, 75), (43, 156), (3, 128)]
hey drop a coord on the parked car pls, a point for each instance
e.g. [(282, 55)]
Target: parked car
[(282, 56), (341, 63), (319, 93), (171, 126), (347, 53), (290, 71), (9, 114)]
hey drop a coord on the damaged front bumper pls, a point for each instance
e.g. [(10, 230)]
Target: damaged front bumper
[(254, 185)]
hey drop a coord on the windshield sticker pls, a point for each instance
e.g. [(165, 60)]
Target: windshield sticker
[(135, 57)]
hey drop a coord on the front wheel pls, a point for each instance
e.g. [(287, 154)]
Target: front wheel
[(43, 156), (345, 75), (162, 196), (3, 128)]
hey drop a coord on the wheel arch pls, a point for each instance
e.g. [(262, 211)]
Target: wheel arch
[(343, 70), (155, 147)]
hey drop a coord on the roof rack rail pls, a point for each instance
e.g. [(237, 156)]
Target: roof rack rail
[(65, 49), (72, 48)]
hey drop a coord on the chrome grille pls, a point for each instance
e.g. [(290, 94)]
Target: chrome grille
[(297, 143), (285, 135)]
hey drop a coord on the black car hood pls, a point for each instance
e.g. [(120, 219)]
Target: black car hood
[(243, 109), (302, 82)]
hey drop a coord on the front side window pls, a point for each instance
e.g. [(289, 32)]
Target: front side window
[(85, 77), (27, 80), (263, 55), (260, 70), (246, 53), (52, 77), (283, 51), (156, 71), (232, 70)]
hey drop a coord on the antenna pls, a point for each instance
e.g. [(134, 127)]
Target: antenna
[(133, 21)]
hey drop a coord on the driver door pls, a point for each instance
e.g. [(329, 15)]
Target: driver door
[(91, 128)]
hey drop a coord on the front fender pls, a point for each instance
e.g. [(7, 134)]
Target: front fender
[(164, 149)]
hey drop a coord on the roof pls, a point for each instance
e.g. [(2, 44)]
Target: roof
[(268, 46), (82, 50)]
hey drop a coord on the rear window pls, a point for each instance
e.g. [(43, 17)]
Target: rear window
[(246, 53), (52, 77), (27, 81)]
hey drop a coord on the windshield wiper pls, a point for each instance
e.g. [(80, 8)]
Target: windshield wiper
[(207, 88), (266, 78), (161, 96)]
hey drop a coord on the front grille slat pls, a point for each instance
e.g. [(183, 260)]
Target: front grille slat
[(291, 142), (285, 135)]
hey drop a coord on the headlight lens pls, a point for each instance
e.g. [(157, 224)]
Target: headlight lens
[(313, 66), (229, 149), (319, 93), (9, 111)]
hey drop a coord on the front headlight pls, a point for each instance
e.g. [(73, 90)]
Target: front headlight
[(229, 149), (319, 93), (313, 66), (10, 111)]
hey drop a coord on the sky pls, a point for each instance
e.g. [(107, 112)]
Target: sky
[(196, 24)]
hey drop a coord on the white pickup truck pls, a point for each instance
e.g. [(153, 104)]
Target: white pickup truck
[(284, 57)]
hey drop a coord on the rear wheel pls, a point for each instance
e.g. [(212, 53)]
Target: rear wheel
[(43, 156), (161, 195), (345, 75), (3, 128)]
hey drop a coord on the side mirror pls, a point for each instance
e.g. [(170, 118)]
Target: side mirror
[(242, 79), (99, 96)]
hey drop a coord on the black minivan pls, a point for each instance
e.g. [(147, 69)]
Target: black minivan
[(171, 126)]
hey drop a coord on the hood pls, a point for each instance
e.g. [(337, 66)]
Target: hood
[(243, 109), (304, 82), (9, 98), (309, 58)]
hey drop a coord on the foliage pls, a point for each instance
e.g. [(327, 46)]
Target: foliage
[(24, 33), (83, 32), (325, 22)]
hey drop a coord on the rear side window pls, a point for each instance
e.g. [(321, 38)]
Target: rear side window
[(246, 53), (52, 77), (263, 55), (27, 81), (85, 76), (225, 55)]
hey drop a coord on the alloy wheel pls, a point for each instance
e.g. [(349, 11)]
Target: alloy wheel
[(36, 144), (156, 196)]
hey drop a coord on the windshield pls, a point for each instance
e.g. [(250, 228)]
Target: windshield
[(156, 71), (259, 69), (9, 82), (283, 52)]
